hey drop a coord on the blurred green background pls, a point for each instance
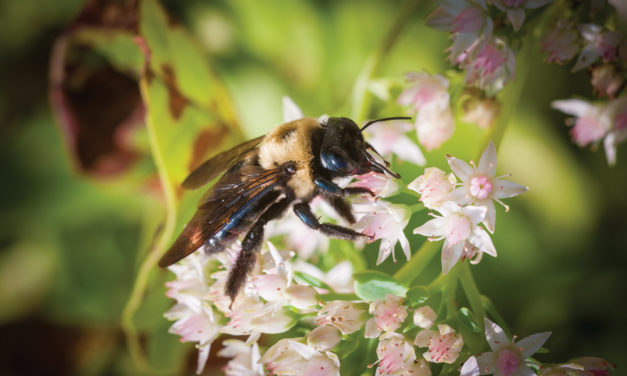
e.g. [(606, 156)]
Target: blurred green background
[(70, 244)]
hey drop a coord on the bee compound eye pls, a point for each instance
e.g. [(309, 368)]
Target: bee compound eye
[(290, 168), (336, 159)]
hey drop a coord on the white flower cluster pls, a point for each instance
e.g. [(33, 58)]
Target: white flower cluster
[(463, 206), (203, 311)]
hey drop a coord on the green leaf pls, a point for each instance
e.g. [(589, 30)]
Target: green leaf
[(417, 295), (308, 279), (469, 320), (371, 285)]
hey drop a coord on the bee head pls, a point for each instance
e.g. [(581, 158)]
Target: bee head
[(345, 152)]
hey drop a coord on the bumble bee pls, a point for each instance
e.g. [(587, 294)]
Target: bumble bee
[(291, 165)]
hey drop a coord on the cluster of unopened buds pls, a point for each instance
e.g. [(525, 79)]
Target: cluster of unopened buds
[(489, 62)]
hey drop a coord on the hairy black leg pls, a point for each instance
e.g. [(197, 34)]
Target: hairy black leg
[(252, 241), (303, 211), (342, 208), (329, 188)]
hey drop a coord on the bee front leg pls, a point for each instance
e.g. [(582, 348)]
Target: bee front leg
[(303, 211), (250, 245), (329, 188)]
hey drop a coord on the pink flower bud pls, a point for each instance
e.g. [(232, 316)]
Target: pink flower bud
[(606, 80)]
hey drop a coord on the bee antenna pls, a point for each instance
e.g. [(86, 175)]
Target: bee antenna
[(384, 119)]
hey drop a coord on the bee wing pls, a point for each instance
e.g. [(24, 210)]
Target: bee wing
[(234, 196), (218, 163)]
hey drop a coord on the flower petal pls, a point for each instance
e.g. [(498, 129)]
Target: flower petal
[(480, 239), (505, 188), (434, 227), (409, 151), (470, 367), (516, 17), (487, 163), (404, 244), (575, 107), (495, 335), (450, 255), (486, 363), (476, 214), (372, 331), (460, 168), (587, 56), (290, 110), (524, 370), (530, 345), (490, 218)]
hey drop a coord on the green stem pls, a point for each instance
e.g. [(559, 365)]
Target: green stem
[(417, 264), (141, 282), (470, 289), (361, 98), (450, 289), (511, 94)]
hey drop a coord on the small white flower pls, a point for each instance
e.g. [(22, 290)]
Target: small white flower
[(425, 91), (283, 358), (597, 43), (479, 185), (244, 358), (348, 317), (384, 221), (396, 356), (434, 126), (428, 95), (195, 320), (379, 184), (434, 186), (561, 42), (592, 122), (389, 314), (324, 338), (468, 21), (595, 121), (290, 357), (389, 138), (444, 345), (457, 226), (491, 65), (507, 358)]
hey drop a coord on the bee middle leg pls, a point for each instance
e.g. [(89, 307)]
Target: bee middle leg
[(252, 241), (329, 188), (303, 211)]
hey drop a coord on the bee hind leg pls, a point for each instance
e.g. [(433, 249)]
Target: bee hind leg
[(303, 211), (250, 245), (342, 208)]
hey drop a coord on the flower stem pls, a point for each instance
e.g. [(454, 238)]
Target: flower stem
[(417, 264), (470, 288), (361, 98), (141, 282)]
